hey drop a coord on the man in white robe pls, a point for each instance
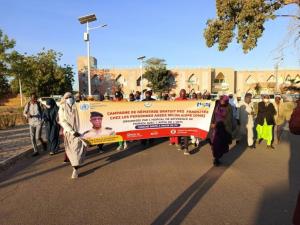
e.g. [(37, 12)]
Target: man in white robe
[(69, 120), (246, 120)]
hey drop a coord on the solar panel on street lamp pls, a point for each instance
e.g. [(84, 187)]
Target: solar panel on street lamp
[(88, 18)]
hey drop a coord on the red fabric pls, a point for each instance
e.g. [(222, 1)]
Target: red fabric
[(132, 135), (294, 123), (174, 140)]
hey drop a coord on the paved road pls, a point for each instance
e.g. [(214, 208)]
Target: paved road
[(156, 185), (15, 141)]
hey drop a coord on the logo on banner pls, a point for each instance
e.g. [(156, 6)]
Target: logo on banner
[(173, 131), (148, 104), (85, 107), (203, 104)]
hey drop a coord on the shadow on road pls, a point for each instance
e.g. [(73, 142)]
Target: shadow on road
[(278, 202), (11, 173), (136, 148), (179, 209)]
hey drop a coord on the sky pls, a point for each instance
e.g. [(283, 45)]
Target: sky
[(168, 29)]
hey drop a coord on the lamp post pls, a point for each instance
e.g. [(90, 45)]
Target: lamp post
[(86, 20), (141, 59), (279, 60)]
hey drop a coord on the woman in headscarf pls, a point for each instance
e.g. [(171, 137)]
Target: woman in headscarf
[(69, 120), (265, 121), (52, 126), (221, 135)]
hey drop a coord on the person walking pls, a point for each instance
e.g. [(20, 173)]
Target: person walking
[(245, 118), (69, 120), (294, 121), (33, 112), (280, 118), (183, 142), (221, 134), (148, 97), (52, 126), (122, 145), (265, 121)]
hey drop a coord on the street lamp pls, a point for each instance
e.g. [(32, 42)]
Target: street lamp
[(86, 20), (141, 59), (277, 63)]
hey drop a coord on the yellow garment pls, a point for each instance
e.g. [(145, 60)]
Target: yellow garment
[(283, 112), (265, 132)]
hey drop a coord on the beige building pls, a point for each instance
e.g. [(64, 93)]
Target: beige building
[(213, 80)]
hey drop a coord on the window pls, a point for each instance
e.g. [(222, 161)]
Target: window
[(250, 80), (271, 79), (220, 79), (192, 79)]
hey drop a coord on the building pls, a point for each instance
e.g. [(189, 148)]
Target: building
[(213, 80)]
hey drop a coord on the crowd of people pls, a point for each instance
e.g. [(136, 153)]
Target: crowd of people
[(233, 119)]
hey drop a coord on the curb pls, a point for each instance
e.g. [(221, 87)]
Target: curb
[(6, 164)]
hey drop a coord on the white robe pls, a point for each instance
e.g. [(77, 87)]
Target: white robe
[(245, 115), (74, 146)]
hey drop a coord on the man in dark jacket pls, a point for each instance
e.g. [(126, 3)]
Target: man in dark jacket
[(265, 121)]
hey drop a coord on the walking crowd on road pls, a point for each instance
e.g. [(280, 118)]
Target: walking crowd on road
[(233, 119)]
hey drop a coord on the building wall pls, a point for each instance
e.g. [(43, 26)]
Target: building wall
[(192, 79), (247, 80)]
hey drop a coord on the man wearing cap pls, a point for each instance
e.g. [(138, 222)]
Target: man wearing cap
[(246, 120), (97, 130), (69, 120)]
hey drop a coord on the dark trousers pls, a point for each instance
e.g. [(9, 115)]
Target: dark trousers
[(184, 142)]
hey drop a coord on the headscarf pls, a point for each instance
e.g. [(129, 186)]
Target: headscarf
[(51, 113), (66, 96)]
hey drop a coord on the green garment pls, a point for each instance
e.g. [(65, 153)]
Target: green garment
[(265, 132)]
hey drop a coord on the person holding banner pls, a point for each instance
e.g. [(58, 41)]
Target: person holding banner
[(119, 98), (178, 140), (69, 120), (148, 97)]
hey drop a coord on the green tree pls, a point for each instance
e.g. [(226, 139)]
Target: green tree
[(6, 45), (158, 76), (243, 18), (41, 73), (4, 86)]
